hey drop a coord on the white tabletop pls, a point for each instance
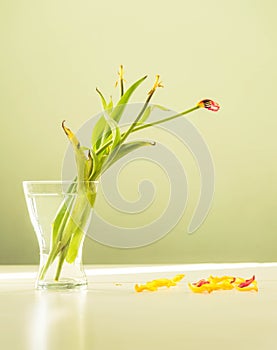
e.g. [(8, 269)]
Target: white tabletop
[(111, 315)]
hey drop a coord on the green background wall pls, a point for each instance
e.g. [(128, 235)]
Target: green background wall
[(54, 54)]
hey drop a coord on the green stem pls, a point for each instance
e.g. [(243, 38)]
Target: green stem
[(128, 132), (107, 144), (61, 261), (70, 251), (121, 86), (68, 226), (74, 220), (52, 256), (166, 119), (77, 236)]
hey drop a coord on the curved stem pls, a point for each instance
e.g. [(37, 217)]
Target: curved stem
[(132, 127), (137, 128), (166, 119)]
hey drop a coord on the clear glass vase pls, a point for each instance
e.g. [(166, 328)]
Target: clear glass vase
[(60, 212)]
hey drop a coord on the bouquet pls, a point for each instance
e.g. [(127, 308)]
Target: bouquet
[(108, 144)]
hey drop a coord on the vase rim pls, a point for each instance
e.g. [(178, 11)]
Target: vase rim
[(57, 181), (54, 186)]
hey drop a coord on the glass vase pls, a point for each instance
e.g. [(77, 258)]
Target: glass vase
[(60, 212)]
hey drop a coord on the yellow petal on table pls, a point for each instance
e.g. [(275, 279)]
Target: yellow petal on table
[(162, 282)]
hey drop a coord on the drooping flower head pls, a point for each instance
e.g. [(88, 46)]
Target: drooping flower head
[(209, 104)]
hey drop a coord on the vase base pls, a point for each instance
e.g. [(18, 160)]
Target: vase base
[(61, 284)]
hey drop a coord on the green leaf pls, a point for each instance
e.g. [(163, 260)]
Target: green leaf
[(100, 134), (62, 214), (107, 132), (104, 102), (125, 149), (109, 106), (99, 129), (160, 107), (80, 156), (91, 193), (74, 245), (97, 133), (145, 115), (88, 166), (95, 164), (114, 129), (121, 105), (77, 236), (148, 112), (115, 144)]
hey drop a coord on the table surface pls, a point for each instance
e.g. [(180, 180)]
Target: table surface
[(111, 315)]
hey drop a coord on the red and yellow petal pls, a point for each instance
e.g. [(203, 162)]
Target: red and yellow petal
[(209, 104)]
